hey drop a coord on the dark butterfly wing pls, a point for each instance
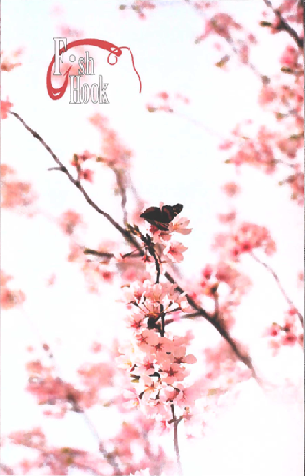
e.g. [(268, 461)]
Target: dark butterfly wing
[(160, 225), (154, 216), (152, 213), (161, 218), (170, 212)]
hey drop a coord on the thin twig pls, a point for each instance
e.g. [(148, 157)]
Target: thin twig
[(175, 422), (157, 265), (100, 254), (199, 124), (271, 271), (262, 77), (56, 168), (105, 254), (107, 455), (217, 307), (191, 315), (162, 315)]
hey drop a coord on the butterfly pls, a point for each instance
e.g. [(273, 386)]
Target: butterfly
[(161, 217)]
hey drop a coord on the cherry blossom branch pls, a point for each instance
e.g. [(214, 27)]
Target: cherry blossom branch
[(77, 183), (231, 43), (216, 322), (284, 26), (271, 271), (213, 320), (72, 400), (175, 422)]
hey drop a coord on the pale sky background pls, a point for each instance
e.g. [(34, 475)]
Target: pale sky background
[(174, 161)]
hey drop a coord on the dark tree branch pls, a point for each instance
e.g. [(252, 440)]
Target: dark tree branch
[(100, 254), (191, 315), (284, 26), (150, 245), (162, 315), (218, 325), (77, 184)]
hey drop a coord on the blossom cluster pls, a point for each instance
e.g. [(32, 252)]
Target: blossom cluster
[(139, 7), (271, 150), (69, 220), (9, 62), (157, 360), (9, 297), (78, 161), (288, 334), (221, 24), (5, 108), (244, 239), (250, 236), (53, 460), (16, 194), (226, 281)]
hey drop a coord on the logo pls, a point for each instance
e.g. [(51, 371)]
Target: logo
[(82, 94)]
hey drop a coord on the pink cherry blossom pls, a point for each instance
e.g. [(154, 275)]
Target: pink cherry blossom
[(289, 57), (174, 251), (5, 107), (180, 226)]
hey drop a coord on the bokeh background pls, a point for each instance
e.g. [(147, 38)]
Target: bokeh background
[(176, 159)]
